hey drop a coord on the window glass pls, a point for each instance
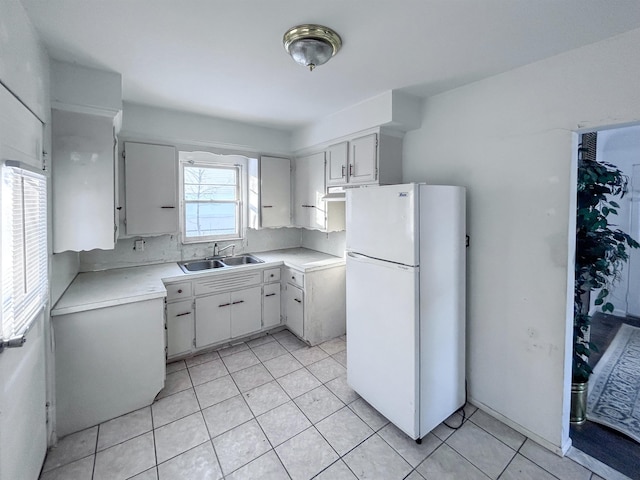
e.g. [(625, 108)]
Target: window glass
[(211, 199)]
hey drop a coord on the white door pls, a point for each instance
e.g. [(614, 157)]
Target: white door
[(362, 159), (23, 427), (179, 327), (213, 319), (150, 188), (246, 311), (275, 192), (382, 222), (271, 305), (382, 338), (294, 308), (337, 163), (633, 299)]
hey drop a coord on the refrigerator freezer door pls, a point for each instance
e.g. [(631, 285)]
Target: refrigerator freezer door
[(382, 222), (382, 338)]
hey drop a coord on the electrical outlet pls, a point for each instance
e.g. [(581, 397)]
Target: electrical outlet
[(138, 245)]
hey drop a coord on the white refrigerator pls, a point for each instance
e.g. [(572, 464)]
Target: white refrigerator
[(406, 301)]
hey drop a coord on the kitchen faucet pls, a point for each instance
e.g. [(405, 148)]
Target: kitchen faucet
[(232, 246)]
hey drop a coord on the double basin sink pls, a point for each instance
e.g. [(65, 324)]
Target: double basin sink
[(222, 262)]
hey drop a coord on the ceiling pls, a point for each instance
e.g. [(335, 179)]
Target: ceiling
[(224, 58)]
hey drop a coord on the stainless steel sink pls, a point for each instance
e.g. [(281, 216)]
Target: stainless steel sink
[(245, 259), (197, 265), (222, 262)]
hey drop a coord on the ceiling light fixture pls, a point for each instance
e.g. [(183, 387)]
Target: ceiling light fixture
[(311, 45)]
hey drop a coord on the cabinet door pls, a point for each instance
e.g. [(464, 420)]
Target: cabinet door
[(301, 193), (275, 192), (246, 311), (362, 159), (179, 327), (271, 305), (213, 319), (294, 305), (150, 189), (83, 177), (337, 164)]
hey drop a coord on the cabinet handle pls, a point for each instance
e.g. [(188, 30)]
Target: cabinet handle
[(293, 278), (183, 314), (269, 294), (180, 291), (343, 171), (272, 275), (224, 305), (167, 207), (296, 300), (351, 170), (267, 206), (239, 301)]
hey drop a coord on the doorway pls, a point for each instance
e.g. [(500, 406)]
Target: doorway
[(620, 147)]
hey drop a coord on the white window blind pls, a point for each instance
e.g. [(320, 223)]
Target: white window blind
[(24, 252)]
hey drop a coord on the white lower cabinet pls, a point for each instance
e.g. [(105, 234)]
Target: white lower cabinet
[(246, 314), (315, 303), (228, 315), (179, 327), (213, 319), (214, 309), (271, 305), (294, 306)]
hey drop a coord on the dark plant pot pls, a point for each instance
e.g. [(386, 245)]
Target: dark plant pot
[(579, 392)]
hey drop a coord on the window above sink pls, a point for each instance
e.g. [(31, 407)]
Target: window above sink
[(212, 196)]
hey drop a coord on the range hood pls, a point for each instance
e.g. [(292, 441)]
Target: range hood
[(335, 194), (334, 197)]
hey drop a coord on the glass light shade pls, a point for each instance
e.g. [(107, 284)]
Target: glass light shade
[(311, 52), (311, 45)]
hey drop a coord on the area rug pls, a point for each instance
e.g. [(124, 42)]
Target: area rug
[(614, 386)]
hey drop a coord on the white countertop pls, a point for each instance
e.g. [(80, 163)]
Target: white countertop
[(92, 290), (302, 259)]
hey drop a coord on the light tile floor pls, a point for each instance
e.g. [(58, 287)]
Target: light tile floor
[(273, 408)]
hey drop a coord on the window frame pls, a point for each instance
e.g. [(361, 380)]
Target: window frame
[(201, 159), (25, 264)]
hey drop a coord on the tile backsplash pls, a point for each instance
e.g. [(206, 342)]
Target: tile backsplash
[(168, 248)]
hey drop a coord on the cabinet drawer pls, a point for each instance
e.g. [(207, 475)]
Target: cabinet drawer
[(225, 282), (176, 291), (295, 277), (271, 275)]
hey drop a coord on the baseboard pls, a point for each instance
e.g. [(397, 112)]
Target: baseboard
[(596, 466), (560, 450)]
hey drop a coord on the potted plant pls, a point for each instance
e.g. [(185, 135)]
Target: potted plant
[(601, 251)]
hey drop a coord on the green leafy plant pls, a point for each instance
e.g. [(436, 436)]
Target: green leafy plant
[(601, 251)]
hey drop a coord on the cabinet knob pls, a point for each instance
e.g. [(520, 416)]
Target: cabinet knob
[(180, 290), (271, 275)]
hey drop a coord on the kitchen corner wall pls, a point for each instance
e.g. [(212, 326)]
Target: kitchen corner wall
[(511, 141)]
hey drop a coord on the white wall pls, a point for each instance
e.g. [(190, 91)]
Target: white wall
[(621, 147), (150, 123), (509, 139)]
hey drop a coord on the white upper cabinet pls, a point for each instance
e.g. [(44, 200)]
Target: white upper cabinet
[(275, 192), (308, 192), (310, 210), (337, 163), (363, 159), (150, 189), (353, 162), (83, 181), (373, 159)]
